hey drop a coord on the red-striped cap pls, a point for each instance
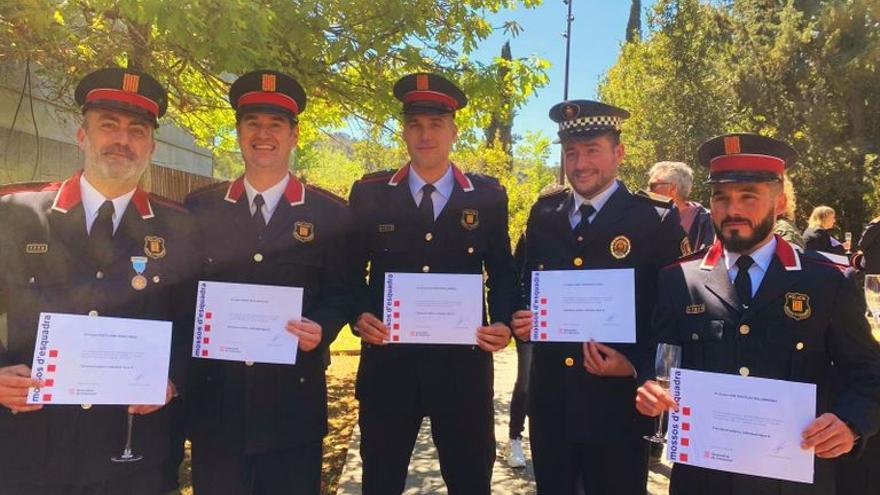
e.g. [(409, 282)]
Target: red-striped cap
[(429, 93), (123, 89), (267, 91), (745, 158)]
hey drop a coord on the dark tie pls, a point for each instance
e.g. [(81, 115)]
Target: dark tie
[(259, 219), (743, 282), (583, 227), (426, 205), (101, 235)]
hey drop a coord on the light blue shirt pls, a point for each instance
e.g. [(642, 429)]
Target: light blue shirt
[(92, 201), (598, 201), (442, 192), (762, 257), (271, 196)]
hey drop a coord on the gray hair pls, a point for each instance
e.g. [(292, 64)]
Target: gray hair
[(677, 173)]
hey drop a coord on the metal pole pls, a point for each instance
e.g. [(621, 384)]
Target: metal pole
[(567, 35)]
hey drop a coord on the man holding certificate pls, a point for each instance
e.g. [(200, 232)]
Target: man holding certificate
[(592, 254), (257, 426), (429, 232), (755, 313), (95, 244)]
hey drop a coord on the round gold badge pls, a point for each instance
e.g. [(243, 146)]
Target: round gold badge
[(620, 247), (139, 282), (578, 261)]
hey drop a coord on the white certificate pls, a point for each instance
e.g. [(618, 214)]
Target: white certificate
[(99, 360), (246, 322), (435, 308), (741, 424), (579, 305)]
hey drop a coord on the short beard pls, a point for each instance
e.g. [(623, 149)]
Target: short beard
[(739, 244)]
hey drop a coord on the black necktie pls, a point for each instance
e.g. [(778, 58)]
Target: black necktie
[(259, 219), (743, 282), (101, 235), (583, 226), (426, 205)]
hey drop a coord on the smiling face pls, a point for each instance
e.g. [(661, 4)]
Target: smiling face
[(429, 138), (117, 147), (743, 214), (266, 141), (591, 164)]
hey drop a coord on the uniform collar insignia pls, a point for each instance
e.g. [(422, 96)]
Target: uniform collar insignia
[(69, 195), (785, 253), (295, 193), (463, 181)]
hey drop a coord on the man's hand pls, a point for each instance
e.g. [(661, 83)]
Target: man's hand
[(372, 330), (652, 399), (494, 337), (308, 332), (170, 392), (829, 435), (522, 324), (601, 360), (14, 384)]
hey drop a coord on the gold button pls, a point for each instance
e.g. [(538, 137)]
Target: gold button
[(248, 363), (258, 257), (99, 275), (799, 346), (426, 268), (156, 279), (540, 266), (580, 238), (31, 280), (429, 236), (86, 407), (744, 371), (578, 261), (569, 362), (93, 312), (695, 336), (745, 329), (470, 250)]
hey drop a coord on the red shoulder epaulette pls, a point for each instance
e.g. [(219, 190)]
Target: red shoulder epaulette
[(327, 194), (29, 187), (689, 257)]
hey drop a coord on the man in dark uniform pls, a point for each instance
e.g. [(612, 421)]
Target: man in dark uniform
[(753, 305), (429, 217), (257, 428), (94, 244), (585, 431)]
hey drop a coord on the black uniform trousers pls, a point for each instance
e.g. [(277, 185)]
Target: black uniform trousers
[(290, 471), (145, 482)]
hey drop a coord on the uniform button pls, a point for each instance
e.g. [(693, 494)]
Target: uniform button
[(99, 275), (580, 238), (695, 336), (470, 250), (32, 280), (156, 279), (744, 371), (569, 362), (302, 379), (429, 236), (745, 329), (578, 261), (258, 257), (426, 268), (799, 346), (540, 266), (93, 312), (248, 363), (86, 407)]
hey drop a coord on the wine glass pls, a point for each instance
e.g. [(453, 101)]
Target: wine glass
[(127, 455), (872, 297), (668, 357)]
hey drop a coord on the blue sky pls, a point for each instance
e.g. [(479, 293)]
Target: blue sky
[(597, 32)]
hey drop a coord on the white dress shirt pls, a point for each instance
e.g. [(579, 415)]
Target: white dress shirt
[(443, 189), (92, 201), (598, 201), (271, 196), (762, 257)]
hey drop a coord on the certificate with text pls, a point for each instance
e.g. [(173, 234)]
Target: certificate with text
[(246, 322), (741, 424), (433, 308), (99, 360), (579, 305)]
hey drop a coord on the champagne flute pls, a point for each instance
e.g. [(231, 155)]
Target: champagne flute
[(847, 236), (872, 297), (668, 357), (127, 455)]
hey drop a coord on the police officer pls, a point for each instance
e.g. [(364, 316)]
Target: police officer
[(93, 244), (258, 428), (752, 305), (584, 430), (429, 217)]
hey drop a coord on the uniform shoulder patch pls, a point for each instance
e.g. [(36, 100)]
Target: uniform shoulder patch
[(817, 258), (167, 202), (210, 187), (29, 187), (377, 176), (327, 194), (653, 199)]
